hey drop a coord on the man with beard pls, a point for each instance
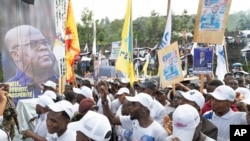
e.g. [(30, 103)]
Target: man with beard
[(139, 120), (32, 54)]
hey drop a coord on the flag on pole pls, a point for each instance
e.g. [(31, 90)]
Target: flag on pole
[(86, 49), (72, 47), (94, 36), (124, 62), (167, 34), (221, 68), (145, 67)]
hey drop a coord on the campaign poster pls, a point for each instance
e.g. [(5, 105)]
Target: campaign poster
[(203, 60), (170, 65), (115, 49), (211, 21), (27, 37)]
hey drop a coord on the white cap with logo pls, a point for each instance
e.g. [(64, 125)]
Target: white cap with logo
[(224, 92), (195, 96), (185, 120)]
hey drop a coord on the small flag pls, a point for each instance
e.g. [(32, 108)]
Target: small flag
[(221, 68), (167, 34)]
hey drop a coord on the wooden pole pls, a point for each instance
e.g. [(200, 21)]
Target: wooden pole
[(201, 82)]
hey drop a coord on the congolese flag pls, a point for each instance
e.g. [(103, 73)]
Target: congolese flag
[(124, 60), (72, 46)]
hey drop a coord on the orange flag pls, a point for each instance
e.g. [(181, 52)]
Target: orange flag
[(72, 46)]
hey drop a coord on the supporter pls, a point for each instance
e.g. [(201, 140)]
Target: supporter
[(211, 86), (58, 118), (40, 127), (93, 126), (139, 120), (157, 111), (197, 100), (227, 77), (82, 93), (102, 87), (10, 114), (221, 114), (187, 125), (162, 98), (51, 86), (4, 135)]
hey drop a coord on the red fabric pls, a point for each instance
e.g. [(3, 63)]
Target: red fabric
[(207, 107)]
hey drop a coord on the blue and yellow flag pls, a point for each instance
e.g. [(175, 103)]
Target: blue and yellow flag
[(124, 62)]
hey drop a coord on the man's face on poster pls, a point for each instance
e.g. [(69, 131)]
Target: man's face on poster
[(170, 61), (202, 54), (36, 51)]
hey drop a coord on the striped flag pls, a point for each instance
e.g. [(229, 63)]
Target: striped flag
[(124, 61), (72, 47), (167, 34)]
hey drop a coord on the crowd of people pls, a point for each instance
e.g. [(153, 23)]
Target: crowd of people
[(112, 110)]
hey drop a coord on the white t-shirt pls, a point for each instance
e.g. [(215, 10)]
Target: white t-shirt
[(154, 131), (223, 123), (99, 104), (3, 134), (115, 104), (158, 111), (66, 136), (41, 127), (169, 138)]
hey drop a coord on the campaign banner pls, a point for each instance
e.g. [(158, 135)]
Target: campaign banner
[(203, 60), (170, 65), (27, 37), (211, 21), (115, 49)]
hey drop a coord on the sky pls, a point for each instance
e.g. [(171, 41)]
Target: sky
[(115, 9)]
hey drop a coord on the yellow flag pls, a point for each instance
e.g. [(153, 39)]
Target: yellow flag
[(124, 61), (72, 46), (145, 67)]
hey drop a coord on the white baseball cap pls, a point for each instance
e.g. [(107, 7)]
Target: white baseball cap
[(96, 126), (246, 101), (50, 94), (143, 98), (224, 92), (124, 80), (85, 91), (185, 120), (195, 96), (62, 105), (44, 101), (122, 91), (50, 84)]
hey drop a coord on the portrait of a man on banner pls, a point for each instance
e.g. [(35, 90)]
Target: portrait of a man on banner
[(203, 60), (27, 47), (170, 65)]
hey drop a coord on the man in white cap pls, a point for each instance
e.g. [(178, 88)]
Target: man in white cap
[(82, 93), (221, 115), (41, 127), (139, 120), (187, 125), (58, 118), (93, 126), (197, 100)]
